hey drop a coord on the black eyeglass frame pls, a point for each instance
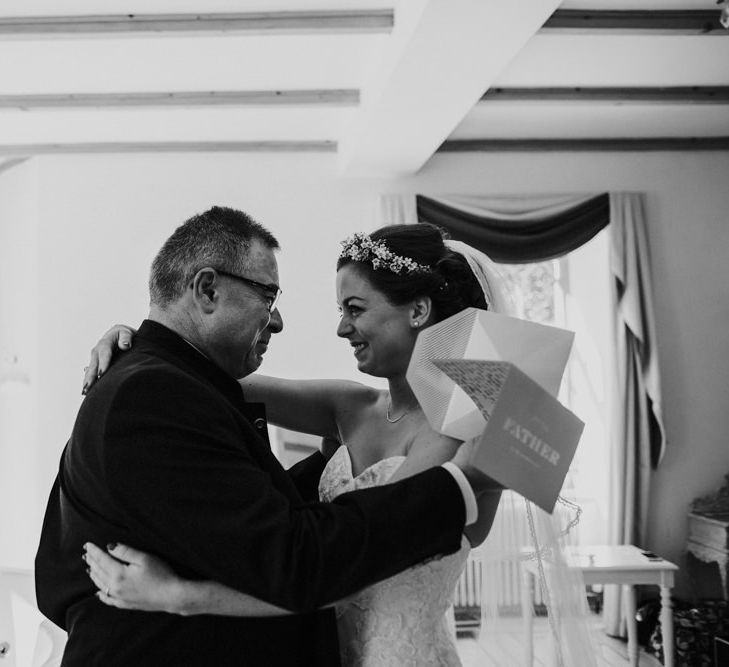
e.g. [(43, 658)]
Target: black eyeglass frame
[(271, 292)]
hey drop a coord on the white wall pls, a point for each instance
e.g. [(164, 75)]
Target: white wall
[(100, 220), (19, 409)]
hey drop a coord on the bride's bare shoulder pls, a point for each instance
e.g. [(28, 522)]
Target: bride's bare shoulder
[(356, 395)]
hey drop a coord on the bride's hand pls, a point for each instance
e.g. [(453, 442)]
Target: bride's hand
[(480, 482), (464, 454), (487, 492), (119, 337), (131, 579)]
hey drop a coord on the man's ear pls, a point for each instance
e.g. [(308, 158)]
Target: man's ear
[(205, 291), (421, 312)]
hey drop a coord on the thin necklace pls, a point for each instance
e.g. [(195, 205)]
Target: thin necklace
[(397, 419)]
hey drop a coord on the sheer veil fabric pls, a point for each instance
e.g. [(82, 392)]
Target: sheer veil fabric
[(486, 274), (524, 532)]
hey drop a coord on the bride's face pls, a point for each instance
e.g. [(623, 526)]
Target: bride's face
[(379, 332)]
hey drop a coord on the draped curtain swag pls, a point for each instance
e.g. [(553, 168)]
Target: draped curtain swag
[(544, 232)]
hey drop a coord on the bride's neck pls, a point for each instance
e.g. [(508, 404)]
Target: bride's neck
[(401, 395)]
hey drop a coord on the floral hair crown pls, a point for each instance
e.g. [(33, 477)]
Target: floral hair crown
[(361, 248)]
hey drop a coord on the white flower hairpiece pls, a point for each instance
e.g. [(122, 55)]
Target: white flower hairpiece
[(361, 248)]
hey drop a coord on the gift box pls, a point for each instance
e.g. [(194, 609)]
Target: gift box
[(529, 439), (493, 377)]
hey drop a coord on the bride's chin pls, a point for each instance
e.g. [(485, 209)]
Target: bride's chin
[(363, 366), (367, 369)]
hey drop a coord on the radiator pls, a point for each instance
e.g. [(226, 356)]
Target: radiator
[(500, 580)]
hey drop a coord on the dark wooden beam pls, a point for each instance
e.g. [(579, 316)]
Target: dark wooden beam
[(645, 20), (613, 95), (582, 145), (168, 147), (297, 22), (183, 99)]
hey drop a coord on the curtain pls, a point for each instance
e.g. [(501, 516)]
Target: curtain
[(540, 230), (396, 209), (637, 401)]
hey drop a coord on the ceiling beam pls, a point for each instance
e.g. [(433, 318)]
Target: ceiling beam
[(647, 20), (289, 22), (441, 57), (27, 150), (587, 144), (340, 97), (613, 95)]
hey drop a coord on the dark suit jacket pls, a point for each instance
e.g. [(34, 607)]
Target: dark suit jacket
[(167, 456)]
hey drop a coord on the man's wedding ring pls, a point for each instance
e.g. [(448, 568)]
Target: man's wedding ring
[(107, 592)]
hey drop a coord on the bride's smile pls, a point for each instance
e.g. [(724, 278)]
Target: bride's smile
[(379, 332)]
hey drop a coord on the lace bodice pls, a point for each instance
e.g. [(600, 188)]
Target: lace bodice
[(401, 621)]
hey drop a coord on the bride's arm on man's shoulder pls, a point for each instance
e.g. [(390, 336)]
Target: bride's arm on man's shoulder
[(118, 338), (309, 406)]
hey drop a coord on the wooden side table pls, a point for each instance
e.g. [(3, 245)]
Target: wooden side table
[(708, 540), (623, 564)]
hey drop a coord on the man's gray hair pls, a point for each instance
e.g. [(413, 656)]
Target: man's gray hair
[(220, 238)]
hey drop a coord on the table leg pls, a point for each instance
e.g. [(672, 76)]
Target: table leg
[(527, 609), (629, 592), (667, 626), (724, 574)]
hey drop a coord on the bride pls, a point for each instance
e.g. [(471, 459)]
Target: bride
[(391, 284)]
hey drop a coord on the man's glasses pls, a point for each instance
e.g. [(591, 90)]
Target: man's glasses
[(271, 293)]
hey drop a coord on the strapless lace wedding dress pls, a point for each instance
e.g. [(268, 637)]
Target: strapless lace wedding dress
[(401, 621)]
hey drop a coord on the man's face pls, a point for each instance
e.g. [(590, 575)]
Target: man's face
[(242, 325)]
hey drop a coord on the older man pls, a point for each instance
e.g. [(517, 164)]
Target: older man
[(166, 455)]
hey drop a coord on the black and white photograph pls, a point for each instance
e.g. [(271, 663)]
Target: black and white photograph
[(364, 333)]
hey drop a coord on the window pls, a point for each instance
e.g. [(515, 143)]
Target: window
[(573, 292)]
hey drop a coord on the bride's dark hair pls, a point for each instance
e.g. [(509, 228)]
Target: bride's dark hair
[(450, 283)]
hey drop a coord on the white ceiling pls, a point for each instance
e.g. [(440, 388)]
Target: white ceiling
[(385, 91)]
